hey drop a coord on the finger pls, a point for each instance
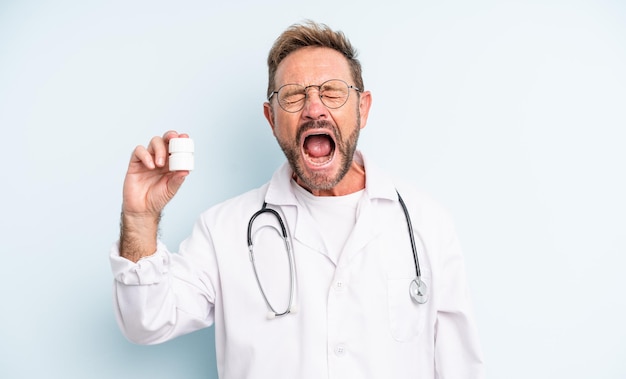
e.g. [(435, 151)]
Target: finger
[(173, 134), (140, 154), (167, 136), (159, 150)]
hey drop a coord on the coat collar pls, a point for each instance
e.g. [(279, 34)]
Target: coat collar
[(377, 186)]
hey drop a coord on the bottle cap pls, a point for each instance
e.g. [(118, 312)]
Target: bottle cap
[(181, 145)]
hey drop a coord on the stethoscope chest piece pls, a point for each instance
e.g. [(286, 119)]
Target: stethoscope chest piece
[(418, 291)]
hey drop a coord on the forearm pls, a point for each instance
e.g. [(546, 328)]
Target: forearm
[(458, 353), (144, 300), (160, 297), (138, 235)]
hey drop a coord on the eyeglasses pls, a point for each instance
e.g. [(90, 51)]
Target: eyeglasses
[(333, 94)]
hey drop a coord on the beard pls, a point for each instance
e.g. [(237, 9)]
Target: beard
[(344, 148)]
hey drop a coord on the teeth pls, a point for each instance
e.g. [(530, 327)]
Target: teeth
[(319, 161), (316, 162)]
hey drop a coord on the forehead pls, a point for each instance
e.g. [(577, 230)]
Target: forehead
[(313, 65)]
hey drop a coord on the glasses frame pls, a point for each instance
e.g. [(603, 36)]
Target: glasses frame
[(306, 94)]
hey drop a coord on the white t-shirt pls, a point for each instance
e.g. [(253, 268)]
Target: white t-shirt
[(334, 216)]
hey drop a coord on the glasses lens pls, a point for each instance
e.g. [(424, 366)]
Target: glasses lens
[(334, 93), (291, 97)]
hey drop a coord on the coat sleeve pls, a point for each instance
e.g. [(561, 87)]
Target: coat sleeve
[(166, 295), (458, 353)]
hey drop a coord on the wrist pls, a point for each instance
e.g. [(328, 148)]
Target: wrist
[(138, 235)]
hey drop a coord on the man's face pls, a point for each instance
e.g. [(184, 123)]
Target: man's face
[(319, 143)]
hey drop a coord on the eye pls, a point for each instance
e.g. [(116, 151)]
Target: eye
[(295, 99), (291, 94), (334, 91)]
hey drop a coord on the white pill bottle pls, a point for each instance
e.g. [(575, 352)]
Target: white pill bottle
[(181, 154)]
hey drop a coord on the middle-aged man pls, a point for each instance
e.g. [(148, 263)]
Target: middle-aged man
[(344, 295)]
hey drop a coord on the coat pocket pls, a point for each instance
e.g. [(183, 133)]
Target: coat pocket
[(406, 317)]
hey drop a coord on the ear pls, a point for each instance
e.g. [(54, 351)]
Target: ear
[(269, 114), (365, 102)]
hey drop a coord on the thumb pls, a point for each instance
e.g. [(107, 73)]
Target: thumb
[(176, 181)]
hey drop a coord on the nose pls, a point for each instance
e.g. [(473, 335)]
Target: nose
[(314, 109)]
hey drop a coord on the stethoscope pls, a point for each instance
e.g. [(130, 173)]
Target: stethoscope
[(417, 288)]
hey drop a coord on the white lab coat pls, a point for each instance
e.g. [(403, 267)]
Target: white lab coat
[(355, 318)]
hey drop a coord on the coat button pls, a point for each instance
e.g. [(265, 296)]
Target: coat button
[(340, 350)]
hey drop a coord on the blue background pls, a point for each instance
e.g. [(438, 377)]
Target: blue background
[(511, 113)]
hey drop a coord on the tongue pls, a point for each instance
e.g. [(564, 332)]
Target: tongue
[(317, 146)]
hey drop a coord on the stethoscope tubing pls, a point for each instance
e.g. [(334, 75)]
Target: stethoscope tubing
[(417, 289), (418, 271), (292, 267)]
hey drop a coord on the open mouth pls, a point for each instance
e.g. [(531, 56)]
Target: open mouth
[(318, 148)]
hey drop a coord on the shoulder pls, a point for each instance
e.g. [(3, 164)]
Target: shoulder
[(425, 209), (242, 205), (247, 203)]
